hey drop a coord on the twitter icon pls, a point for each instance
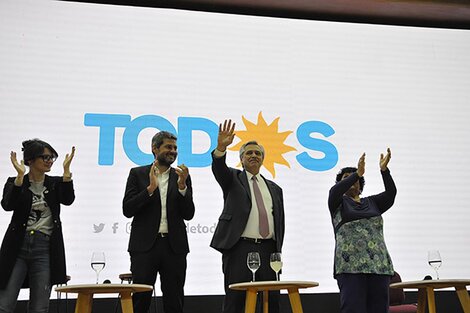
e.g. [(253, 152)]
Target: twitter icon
[(98, 228)]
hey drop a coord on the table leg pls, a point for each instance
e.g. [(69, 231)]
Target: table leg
[(250, 303), (294, 298), (126, 302), (464, 298), (265, 301), (431, 300), (422, 303), (84, 303)]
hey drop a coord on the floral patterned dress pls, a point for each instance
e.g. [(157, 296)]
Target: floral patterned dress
[(360, 245)]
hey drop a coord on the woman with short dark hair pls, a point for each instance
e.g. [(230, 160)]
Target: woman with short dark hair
[(32, 252), (362, 264)]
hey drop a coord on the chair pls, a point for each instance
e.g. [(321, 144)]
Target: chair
[(59, 295), (397, 299), (127, 277)]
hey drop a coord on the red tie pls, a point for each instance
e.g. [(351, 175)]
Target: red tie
[(262, 214)]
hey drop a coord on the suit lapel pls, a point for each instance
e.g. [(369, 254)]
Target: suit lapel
[(271, 192), (244, 182), (274, 197)]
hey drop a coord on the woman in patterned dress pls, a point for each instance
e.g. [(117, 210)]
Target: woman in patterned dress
[(362, 264)]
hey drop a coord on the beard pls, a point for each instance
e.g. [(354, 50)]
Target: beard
[(165, 159)]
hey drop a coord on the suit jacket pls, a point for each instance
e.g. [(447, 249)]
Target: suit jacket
[(237, 206), (19, 199), (146, 211)]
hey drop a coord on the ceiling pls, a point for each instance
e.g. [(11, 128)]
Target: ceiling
[(421, 13)]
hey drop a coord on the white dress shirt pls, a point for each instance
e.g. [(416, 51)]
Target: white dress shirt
[(163, 189), (252, 225)]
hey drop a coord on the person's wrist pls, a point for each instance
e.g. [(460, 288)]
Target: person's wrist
[(150, 190), (221, 148), (19, 180), (67, 176)]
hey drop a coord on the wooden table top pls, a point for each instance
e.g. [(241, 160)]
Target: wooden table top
[(273, 285), (434, 283), (103, 288)]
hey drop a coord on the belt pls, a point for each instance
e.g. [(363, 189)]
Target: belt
[(256, 240), (162, 235), (37, 232)]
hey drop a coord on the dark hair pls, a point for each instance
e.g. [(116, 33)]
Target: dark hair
[(251, 142), (158, 138), (345, 170), (34, 148)]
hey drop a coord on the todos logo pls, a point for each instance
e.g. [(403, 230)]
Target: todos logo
[(311, 136)]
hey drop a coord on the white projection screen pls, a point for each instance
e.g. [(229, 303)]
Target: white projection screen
[(318, 94)]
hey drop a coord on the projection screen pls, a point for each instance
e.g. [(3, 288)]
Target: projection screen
[(317, 94)]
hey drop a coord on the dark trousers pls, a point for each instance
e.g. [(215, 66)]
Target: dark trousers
[(172, 269), (235, 270), (364, 293), (34, 261)]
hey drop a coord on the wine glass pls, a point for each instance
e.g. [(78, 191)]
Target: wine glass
[(434, 259), (275, 261), (253, 261), (98, 262)]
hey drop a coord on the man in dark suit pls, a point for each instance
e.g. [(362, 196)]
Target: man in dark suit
[(252, 219), (159, 198)]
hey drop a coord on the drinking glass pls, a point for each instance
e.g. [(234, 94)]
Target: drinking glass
[(435, 261), (275, 261), (98, 262), (253, 261)]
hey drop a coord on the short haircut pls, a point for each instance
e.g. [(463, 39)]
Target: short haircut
[(251, 142), (159, 137), (34, 148), (345, 170)]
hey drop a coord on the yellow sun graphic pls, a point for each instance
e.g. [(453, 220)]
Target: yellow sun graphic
[(267, 136)]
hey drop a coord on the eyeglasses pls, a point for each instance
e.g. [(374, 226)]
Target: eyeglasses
[(47, 157)]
